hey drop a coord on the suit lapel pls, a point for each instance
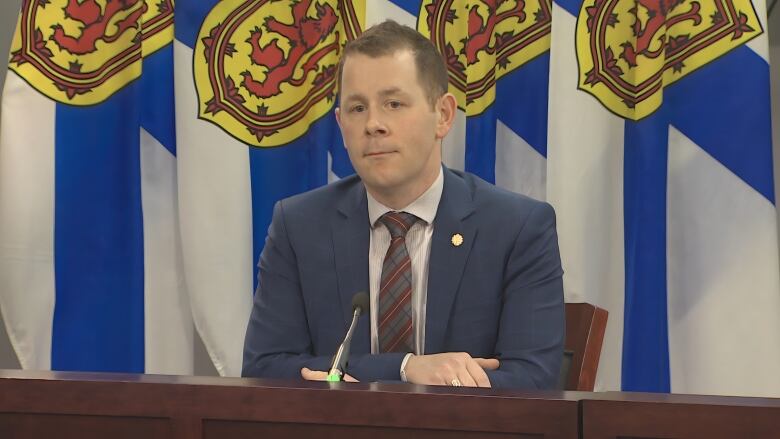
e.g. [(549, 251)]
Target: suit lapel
[(350, 230), (447, 260)]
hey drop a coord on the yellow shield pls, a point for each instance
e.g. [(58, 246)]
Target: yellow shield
[(266, 70), (629, 50), (82, 52), (484, 40)]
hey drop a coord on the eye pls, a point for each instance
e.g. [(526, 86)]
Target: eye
[(395, 104), (358, 108)]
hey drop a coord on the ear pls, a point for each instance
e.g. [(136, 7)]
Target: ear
[(337, 112), (446, 108)]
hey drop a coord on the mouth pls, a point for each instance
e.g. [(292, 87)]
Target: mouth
[(378, 153)]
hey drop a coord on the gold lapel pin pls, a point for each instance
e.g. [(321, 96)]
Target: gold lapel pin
[(457, 239)]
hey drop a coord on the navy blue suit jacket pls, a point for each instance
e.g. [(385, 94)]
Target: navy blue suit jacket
[(498, 295)]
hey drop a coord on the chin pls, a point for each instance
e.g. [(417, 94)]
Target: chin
[(381, 182)]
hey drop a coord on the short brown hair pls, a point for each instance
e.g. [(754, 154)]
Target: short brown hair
[(389, 37)]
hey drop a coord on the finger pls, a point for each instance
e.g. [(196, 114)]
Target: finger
[(462, 372), (313, 375), (449, 374), (465, 377), (488, 363), (478, 374), (350, 379)]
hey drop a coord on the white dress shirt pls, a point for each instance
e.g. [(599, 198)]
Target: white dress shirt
[(418, 244)]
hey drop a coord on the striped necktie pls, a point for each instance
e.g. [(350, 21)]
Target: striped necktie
[(395, 287)]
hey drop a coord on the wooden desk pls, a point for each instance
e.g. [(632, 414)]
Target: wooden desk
[(613, 415), (116, 406)]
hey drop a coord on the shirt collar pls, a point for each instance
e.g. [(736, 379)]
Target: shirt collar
[(424, 207)]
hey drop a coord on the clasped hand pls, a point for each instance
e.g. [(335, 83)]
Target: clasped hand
[(443, 369), (435, 369)]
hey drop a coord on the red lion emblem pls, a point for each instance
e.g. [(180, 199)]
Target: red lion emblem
[(304, 35), (95, 22), (657, 10), (480, 31)]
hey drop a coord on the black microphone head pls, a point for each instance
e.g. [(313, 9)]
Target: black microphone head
[(360, 300)]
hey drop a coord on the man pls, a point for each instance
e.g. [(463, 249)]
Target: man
[(465, 282)]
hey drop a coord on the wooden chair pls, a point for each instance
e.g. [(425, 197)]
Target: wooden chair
[(585, 326)]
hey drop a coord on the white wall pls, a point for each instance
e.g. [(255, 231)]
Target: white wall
[(8, 13), (9, 10)]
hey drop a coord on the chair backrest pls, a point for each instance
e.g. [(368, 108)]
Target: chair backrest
[(585, 327)]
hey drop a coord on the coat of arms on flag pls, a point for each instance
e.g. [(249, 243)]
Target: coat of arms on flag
[(628, 51), (265, 71), (81, 52)]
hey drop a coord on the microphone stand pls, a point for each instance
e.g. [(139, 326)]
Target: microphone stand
[(336, 372)]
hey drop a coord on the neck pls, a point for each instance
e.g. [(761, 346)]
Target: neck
[(399, 197)]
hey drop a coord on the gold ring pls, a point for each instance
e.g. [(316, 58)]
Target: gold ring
[(455, 382)]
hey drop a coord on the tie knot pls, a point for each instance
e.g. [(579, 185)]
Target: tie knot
[(398, 223)]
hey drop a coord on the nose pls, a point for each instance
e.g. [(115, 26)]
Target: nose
[(374, 126)]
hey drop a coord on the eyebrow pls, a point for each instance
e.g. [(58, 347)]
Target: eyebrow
[(390, 91)]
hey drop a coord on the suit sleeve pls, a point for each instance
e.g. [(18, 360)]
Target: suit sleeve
[(531, 331), (278, 340)]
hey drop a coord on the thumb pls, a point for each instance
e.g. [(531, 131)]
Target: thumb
[(488, 363), (312, 375)]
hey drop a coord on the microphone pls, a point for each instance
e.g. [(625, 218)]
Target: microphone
[(359, 305)]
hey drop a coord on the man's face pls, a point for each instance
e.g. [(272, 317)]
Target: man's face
[(391, 132)]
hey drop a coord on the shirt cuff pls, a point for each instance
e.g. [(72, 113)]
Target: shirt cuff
[(403, 366)]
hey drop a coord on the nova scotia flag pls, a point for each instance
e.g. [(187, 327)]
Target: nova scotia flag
[(660, 170), (90, 267)]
